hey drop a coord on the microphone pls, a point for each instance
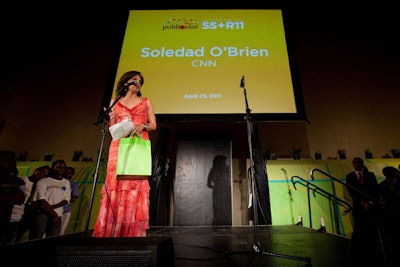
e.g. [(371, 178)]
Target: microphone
[(131, 83), (242, 82)]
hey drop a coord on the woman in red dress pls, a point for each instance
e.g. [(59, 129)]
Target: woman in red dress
[(124, 205)]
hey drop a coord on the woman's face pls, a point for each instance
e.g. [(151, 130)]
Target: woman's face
[(136, 80), (135, 83)]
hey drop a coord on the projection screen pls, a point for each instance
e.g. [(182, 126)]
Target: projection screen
[(212, 64)]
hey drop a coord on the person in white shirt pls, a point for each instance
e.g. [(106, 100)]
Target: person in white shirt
[(51, 194)]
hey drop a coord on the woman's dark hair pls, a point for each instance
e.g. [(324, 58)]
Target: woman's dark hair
[(125, 78)]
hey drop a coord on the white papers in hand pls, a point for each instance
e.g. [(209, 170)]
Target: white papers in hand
[(121, 129)]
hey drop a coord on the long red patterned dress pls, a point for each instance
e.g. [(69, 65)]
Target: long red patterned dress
[(124, 205)]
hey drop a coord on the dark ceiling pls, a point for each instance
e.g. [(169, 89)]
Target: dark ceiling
[(32, 28)]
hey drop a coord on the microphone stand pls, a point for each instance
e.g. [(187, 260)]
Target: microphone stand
[(105, 118), (257, 249)]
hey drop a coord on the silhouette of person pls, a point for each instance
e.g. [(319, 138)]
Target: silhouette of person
[(365, 246), (12, 191), (219, 181), (390, 187), (21, 216), (390, 190)]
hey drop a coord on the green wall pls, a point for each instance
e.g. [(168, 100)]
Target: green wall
[(287, 201)]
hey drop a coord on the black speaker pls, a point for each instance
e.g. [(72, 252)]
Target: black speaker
[(90, 251)]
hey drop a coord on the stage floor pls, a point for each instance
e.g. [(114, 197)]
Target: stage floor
[(290, 245), (187, 246)]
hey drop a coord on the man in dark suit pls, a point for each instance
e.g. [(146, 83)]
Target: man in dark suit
[(366, 246), (365, 192)]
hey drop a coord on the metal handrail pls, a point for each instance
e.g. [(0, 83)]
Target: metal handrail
[(333, 180), (315, 189)]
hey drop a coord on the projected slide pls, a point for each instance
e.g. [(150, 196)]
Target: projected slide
[(193, 61)]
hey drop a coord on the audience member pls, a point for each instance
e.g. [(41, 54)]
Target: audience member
[(390, 190), (51, 194), (390, 187), (21, 216), (12, 190), (366, 243), (65, 218)]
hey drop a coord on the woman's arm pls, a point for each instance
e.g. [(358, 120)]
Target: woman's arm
[(151, 124)]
